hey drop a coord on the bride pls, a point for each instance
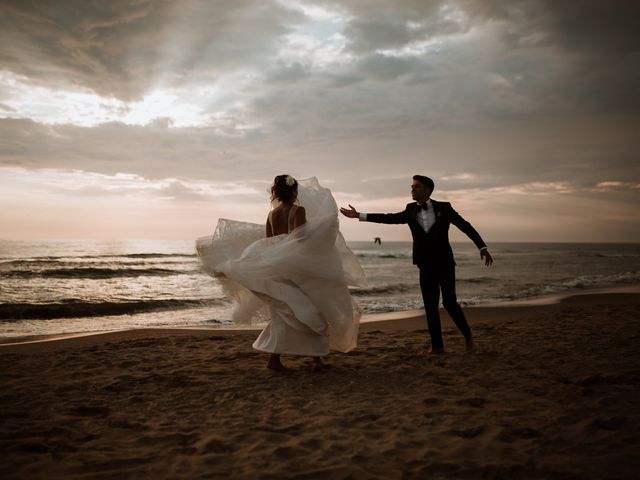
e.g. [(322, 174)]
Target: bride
[(297, 275)]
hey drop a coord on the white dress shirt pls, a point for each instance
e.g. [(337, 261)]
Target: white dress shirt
[(426, 217)]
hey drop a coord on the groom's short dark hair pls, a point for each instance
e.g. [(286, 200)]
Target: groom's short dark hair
[(426, 181)]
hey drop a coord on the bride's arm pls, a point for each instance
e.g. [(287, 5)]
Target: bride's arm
[(269, 231)]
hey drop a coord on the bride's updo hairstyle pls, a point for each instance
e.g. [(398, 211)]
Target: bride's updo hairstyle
[(284, 189)]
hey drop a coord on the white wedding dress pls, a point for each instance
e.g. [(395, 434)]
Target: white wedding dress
[(300, 279)]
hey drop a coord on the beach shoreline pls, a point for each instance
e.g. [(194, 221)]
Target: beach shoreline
[(403, 320)]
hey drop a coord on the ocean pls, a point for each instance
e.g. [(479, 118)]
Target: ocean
[(58, 287)]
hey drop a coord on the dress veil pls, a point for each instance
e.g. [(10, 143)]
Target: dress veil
[(301, 278)]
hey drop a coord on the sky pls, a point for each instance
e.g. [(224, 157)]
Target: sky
[(151, 119)]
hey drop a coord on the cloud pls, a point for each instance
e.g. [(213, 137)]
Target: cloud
[(609, 185), (122, 49), (282, 73), (91, 185), (590, 45), (386, 67), (7, 108), (506, 97), (152, 150)]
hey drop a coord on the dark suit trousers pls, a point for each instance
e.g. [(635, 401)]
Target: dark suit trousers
[(432, 280)]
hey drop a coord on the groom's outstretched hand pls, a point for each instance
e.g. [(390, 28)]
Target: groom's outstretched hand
[(349, 212), (488, 260)]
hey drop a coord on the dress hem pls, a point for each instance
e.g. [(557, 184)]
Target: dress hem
[(298, 354)]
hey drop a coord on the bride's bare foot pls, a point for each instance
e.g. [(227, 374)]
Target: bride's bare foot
[(318, 365), (276, 364)]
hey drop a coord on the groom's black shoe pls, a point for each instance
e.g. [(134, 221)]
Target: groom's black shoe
[(471, 346), (436, 351)]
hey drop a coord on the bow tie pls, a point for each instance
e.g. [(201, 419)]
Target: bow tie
[(425, 206)]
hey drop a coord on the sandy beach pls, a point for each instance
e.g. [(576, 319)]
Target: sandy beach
[(550, 392)]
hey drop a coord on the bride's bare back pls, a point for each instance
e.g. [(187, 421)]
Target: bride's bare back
[(278, 219)]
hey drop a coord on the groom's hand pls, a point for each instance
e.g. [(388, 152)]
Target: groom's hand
[(350, 212), (488, 260)]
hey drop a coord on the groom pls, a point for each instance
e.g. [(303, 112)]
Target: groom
[(429, 222)]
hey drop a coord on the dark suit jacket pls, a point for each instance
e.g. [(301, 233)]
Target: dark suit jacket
[(431, 248)]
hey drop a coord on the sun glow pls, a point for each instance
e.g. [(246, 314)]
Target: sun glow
[(78, 183), (204, 106)]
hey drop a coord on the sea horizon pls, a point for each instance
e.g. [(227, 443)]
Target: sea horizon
[(371, 240), (65, 286)]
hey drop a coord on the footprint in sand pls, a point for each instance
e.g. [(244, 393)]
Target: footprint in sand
[(287, 452), (123, 422), (611, 423), (34, 447), (366, 419), (508, 435), (90, 411), (467, 432), (472, 402), (216, 445), (594, 380)]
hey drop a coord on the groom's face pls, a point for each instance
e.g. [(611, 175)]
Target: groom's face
[(419, 192)]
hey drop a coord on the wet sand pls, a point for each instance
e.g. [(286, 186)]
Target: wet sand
[(550, 392)]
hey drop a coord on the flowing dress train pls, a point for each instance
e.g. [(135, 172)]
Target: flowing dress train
[(298, 280)]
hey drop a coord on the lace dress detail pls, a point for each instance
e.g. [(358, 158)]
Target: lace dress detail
[(299, 279)]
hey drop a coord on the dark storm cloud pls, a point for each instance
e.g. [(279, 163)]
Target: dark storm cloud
[(602, 45), (120, 48), (598, 43), (384, 67), (593, 26), (581, 25), (518, 91), (369, 35), (153, 151), (282, 73)]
